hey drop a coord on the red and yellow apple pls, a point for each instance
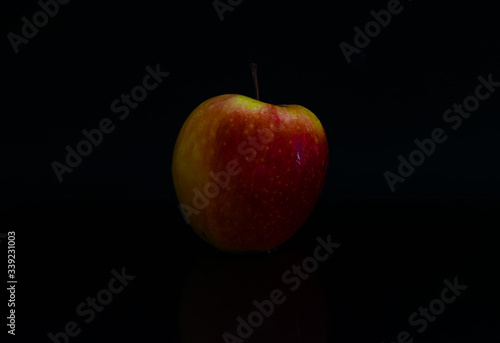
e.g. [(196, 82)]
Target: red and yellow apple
[(248, 174)]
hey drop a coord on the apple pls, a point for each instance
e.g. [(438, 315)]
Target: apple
[(247, 173)]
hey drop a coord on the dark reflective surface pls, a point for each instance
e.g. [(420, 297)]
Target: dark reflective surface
[(253, 298), (390, 263)]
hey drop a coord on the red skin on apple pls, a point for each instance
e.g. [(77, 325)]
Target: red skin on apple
[(258, 170)]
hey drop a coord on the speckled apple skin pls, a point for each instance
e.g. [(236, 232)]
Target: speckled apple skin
[(271, 163)]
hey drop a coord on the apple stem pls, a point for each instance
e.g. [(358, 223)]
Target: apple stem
[(253, 66)]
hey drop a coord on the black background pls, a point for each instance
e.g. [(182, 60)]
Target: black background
[(118, 207)]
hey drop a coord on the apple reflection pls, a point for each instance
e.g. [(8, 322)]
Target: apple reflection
[(251, 298)]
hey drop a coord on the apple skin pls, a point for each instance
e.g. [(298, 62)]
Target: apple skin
[(248, 174)]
